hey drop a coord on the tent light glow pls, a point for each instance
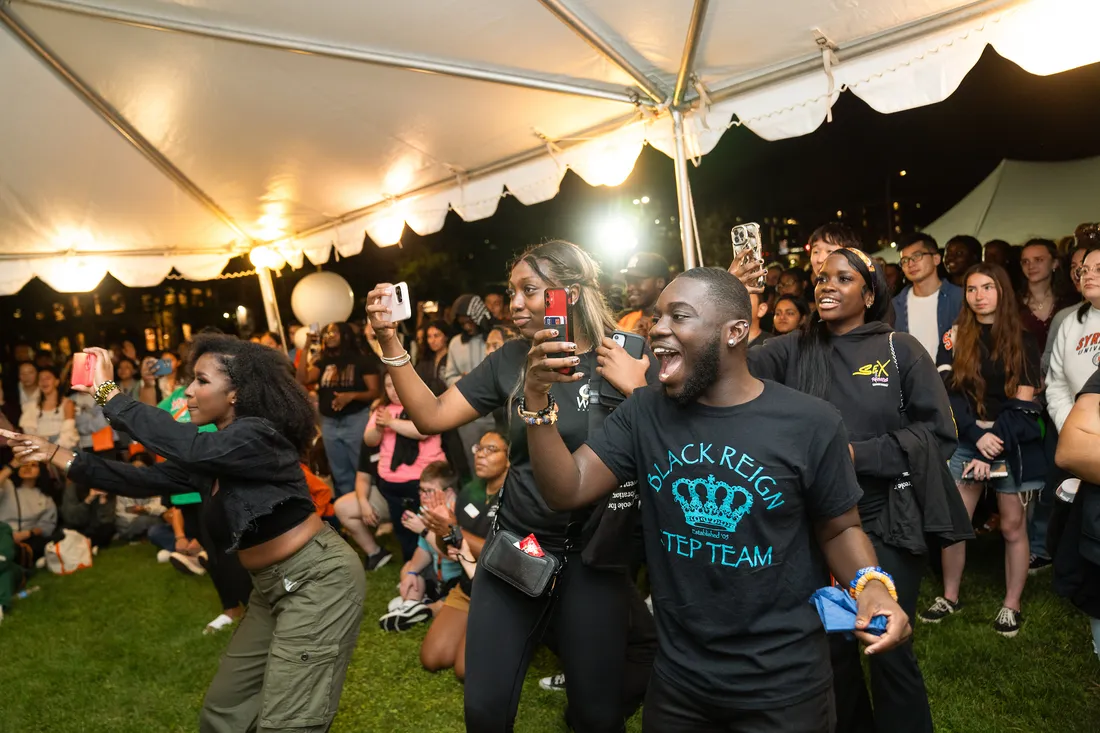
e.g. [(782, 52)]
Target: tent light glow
[(617, 235), (264, 256), (1052, 36)]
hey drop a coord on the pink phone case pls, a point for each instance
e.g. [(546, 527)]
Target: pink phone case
[(83, 370)]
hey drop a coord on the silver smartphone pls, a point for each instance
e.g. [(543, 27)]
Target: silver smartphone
[(747, 237)]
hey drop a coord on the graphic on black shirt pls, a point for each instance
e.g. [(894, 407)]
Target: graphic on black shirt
[(713, 508)]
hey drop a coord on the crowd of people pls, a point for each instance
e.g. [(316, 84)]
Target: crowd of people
[(847, 418)]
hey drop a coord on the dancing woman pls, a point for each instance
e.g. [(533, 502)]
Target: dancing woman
[(284, 667), (588, 607)]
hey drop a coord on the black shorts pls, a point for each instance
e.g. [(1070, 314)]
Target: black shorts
[(668, 709)]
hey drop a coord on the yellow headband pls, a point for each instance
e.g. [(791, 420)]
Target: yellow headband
[(863, 256)]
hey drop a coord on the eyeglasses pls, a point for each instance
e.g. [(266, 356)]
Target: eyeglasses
[(914, 258), (489, 450), (1082, 272)]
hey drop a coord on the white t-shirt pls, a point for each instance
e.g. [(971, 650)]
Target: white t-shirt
[(924, 323)]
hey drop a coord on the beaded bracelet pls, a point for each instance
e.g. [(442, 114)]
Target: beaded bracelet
[(546, 416), (866, 575)]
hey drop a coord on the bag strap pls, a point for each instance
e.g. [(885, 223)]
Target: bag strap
[(897, 370)]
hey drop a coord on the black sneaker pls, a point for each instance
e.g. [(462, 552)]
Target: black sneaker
[(377, 560), (939, 610), (553, 684), (1007, 622), (407, 616), (1038, 564)]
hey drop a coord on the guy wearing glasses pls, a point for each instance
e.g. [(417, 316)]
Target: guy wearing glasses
[(928, 306)]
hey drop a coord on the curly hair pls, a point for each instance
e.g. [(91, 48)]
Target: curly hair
[(264, 383)]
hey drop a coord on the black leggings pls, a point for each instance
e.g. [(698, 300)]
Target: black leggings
[(589, 608), (399, 498), (231, 580), (897, 686)]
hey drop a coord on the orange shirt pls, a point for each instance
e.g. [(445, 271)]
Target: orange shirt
[(319, 492)]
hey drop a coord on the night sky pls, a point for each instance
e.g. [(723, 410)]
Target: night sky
[(999, 111)]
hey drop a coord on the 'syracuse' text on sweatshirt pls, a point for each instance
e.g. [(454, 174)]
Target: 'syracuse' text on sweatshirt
[(1073, 359)]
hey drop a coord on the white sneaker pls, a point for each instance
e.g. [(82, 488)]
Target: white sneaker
[(40, 563), (186, 564), (395, 604), (553, 684), (221, 622), (649, 604), (95, 551), (163, 556)]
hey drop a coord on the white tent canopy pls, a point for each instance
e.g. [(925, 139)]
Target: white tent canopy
[(143, 135), (1021, 200)]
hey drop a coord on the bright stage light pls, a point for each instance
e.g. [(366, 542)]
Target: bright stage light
[(617, 235)]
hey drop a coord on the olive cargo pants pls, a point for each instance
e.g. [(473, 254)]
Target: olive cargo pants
[(285, 665)]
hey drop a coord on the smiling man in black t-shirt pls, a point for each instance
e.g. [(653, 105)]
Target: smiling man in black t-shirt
[(751, 500)]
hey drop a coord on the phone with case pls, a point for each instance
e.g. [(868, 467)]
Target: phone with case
[(604, 392), (747, 237), (558, 315), (399, 303), (83, 370)]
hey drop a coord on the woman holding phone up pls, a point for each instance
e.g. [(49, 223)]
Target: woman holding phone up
[(285, 665), (587, 607), (993, 366)]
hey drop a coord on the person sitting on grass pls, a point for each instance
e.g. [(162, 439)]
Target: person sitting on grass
[(135, 517), (31, 514), (428, 576), (90, 512), (363, 509), (444, 646)]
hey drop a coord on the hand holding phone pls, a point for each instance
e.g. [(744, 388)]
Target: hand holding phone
[(558, 315), (399, 303), (84, 370), (622, 364), (748, 249)]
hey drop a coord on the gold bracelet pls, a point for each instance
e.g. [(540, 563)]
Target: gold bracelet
[(875, 575)]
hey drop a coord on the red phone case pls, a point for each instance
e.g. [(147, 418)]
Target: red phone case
[(558, 314), (83, 370)]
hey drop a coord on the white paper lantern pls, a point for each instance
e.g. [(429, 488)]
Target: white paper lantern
[(322, 298)]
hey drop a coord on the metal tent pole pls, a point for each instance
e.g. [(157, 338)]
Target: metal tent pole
[(114, 118), (580, 88), (271, 304), (683, 193), (687, 60), (566, 15)]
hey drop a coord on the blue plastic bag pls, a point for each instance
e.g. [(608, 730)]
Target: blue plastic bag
[(838, 610)]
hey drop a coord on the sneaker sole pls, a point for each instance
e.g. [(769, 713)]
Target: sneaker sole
[(397, 622), (381, 563), (1007, 634), (551, 688), (1036, 571), (183, 567)]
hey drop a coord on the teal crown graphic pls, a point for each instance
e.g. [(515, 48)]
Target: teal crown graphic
[(711, 504)]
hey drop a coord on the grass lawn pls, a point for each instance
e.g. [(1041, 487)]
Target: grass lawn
[(118, 649)]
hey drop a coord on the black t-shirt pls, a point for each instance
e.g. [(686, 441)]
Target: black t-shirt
[(475, 509), (491, 385), (368, 461), (733, 494), (993, 370), (344, 374)]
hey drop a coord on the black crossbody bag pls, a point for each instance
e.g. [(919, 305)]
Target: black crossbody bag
[(501, 556)]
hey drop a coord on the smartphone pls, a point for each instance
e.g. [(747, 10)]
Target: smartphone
[(399, 303), (162, 368), (602, 392), (747, 237), (999, 469), (83, 370), (558, 315)]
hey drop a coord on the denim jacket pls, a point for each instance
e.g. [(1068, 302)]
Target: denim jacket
[(255, 467), (948, 305)]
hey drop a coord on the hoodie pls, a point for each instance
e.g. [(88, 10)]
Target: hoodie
[(868, 391), (1073, 359), (27, 509)]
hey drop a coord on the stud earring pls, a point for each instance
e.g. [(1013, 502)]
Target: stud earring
[(733, 342)]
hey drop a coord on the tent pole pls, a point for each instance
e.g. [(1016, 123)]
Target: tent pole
[(271, 304), (114, 118), (566, 15), (857, 49), (683, 193), (581, 88), (687, 60)]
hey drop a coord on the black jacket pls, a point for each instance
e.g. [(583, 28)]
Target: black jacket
[(1077, 557), (927, 508), (256, 468), (1017, 426), (868, 392)]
